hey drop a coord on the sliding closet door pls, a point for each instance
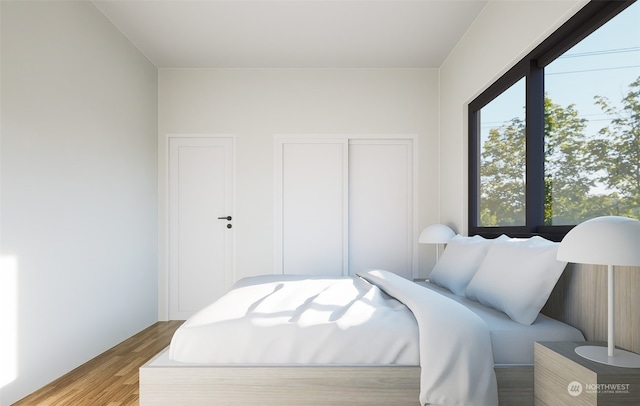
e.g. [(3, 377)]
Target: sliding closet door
[(380, 206), (313, 211), (344, 205)]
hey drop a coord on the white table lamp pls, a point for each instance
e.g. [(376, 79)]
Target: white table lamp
[(609, 240), (436, 234)]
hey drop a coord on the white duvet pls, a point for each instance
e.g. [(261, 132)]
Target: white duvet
[(456, 359), (300, 320), (276, 319)]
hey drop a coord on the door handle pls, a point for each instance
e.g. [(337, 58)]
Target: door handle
[(228, 218)]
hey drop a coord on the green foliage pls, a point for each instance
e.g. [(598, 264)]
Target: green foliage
[(615, 154), (502, 189), (566, 183), (586, 175)]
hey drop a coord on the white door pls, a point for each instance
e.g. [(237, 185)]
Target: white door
[(314, 215), (346, 205), (381, 206), (200, 244)]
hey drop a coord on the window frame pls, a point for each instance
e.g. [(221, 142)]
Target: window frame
[(591, 17)]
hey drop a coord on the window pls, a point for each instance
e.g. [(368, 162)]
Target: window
[(556, 140), (502, 159)]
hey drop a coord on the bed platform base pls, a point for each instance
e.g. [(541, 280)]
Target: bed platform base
[(166, 384)]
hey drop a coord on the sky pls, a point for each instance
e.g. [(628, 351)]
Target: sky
[(603, 64)]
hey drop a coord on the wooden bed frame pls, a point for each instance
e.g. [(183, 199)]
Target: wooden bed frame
[(579, 294), (305, 385)]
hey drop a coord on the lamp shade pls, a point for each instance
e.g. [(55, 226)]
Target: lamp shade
[(436, 234), (608, 240)]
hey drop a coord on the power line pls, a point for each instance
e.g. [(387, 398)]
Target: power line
[(601, 52), (587, 116), (593, 70)]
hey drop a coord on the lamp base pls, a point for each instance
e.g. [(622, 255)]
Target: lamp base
[(621, 358)]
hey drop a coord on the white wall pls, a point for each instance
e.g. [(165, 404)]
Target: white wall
[(255, 104), (79, 191), (502, 35)]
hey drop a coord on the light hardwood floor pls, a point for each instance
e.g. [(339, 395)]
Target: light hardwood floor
[(111, 378)]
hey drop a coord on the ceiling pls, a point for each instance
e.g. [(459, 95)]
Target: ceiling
[(293, 33)]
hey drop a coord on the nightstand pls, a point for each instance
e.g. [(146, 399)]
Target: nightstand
[(562, 377)]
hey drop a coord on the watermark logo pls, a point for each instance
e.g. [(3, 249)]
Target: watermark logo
[(574, 388), (607, 388)]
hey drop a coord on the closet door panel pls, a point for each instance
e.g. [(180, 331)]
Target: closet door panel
[(380, 206), (313, 207)]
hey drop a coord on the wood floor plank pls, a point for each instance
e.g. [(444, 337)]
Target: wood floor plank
[(111, 378)]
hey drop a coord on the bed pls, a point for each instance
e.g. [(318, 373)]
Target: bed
[(464, 338)]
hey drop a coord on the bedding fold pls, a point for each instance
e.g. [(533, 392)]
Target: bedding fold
[(455, 345)]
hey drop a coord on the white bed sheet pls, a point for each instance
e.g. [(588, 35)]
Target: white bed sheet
[(513, 342), (293, 319)]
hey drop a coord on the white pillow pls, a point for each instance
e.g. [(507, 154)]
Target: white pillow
[(459, 262), (517, 277)]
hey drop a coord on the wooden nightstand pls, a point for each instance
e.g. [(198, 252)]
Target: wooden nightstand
[(562, 377)]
